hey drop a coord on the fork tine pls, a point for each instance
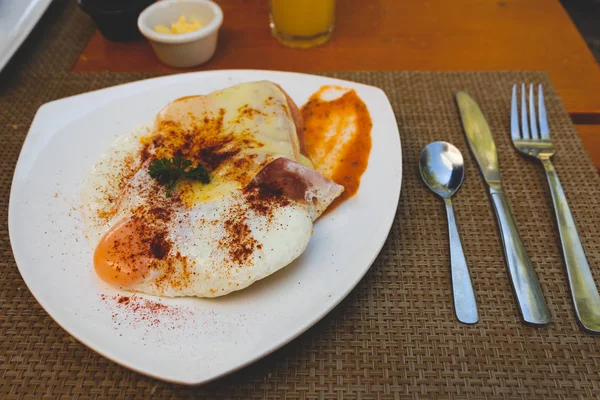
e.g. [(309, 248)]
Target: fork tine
[(524, 124), (532, 121), (544, 129), (514, 116)]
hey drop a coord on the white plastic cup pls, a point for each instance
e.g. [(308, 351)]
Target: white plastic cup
[(182, 50)]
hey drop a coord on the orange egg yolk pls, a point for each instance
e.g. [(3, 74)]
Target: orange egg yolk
[(123, 256)]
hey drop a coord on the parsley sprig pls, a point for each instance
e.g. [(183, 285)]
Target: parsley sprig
[(171, 171)]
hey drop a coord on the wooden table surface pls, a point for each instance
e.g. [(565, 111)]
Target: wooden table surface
[(435, 35)]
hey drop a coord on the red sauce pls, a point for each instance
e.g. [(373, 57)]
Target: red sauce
[(337, 138)]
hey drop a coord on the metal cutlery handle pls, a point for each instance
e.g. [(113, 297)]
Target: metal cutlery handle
[(462, 287), (527, 289), (584, 291)]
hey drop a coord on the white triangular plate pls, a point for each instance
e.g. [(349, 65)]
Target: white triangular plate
[(193, 340)]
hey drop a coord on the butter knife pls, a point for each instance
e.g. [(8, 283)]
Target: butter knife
[(528, 293)]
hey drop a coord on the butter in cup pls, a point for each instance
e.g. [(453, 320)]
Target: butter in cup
[(182, 50)]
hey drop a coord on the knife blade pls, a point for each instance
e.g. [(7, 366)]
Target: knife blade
[(527, 290)]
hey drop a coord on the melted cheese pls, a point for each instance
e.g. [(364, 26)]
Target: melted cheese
[(235, 132)]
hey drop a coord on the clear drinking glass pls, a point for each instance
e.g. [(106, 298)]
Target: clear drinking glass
[(302, 23)]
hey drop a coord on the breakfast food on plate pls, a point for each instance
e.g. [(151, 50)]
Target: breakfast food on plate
[(214, 196)]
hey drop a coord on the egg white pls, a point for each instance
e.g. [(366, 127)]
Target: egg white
[(283, 235)]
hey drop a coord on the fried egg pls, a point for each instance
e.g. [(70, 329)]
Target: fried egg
[(254, 217)]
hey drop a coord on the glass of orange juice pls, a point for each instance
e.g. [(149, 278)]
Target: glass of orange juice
[(302, 23)]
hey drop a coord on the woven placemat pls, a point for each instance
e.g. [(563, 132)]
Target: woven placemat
[(395, 336)]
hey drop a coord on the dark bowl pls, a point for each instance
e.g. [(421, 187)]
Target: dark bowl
[(116, 19)]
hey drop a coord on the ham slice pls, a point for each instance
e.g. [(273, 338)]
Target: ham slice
[(298, 120), (299, 183), (295, 180)]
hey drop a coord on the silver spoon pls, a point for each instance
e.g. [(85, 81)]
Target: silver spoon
[(441, 166)]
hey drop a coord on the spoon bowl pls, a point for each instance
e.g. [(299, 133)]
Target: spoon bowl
[(442, 168)]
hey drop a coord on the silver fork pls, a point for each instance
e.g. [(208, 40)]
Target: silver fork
[(536, 143)]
